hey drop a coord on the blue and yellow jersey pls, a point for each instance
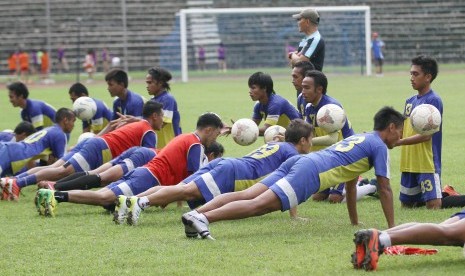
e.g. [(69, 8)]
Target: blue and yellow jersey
[(50, 140), (171, 119), (423, 157), (7, 136), (133, 105), (301, 104), (38, 113), (101, 118), (349, 158), (310, 117), (278, 111)]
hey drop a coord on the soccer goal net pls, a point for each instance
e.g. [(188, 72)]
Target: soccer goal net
[(261, 37)]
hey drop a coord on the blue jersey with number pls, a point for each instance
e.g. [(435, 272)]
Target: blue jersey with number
[(38, 113), (51, 140), (101, 118), (310, 117), (132, 105), (171, 119), (278, 111)]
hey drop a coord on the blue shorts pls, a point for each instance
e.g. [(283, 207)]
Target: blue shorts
[(91, 155), (74, 150), (5, 163), (460, 214), (419, 187), (135, 182), (228, 175), (294, 181), (133, 158), (208, 167)]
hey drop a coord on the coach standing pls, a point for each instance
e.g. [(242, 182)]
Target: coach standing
[(312, 46)]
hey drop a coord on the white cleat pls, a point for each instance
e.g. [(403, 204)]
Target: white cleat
[(134, 210), (121, 210), (196, 223)]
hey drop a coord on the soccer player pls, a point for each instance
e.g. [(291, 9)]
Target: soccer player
[(39, 113), (50, 140), (312, 46), (93, 152), (115, 169), (183, 156), (301, 176), (22, 130), (298, 75), (157, 85), (223, 175), (127, 102), (101, 118), (270, 107), (420, 159), (370, 243), (23, 59)]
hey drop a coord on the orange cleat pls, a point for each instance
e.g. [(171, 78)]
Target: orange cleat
[(369, 240), (359, 255), (12, 189), (449, 190)]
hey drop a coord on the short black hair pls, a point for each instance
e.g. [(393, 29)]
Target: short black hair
[(19, 89), (209, 119), (161, 75), (297, 129), (151, 107), (262, 80), (117, 75), (64, 113), (304, 66), (79, 89), (385, 116), (319, 79), (24, 127), (216, 148), (428, 65)]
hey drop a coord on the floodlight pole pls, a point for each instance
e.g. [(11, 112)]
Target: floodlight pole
[(78, 67)]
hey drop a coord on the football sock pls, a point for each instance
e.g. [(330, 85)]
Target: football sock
[(61, 196), (143, 202), (26, 181), (384, 239), (85, 182), (72, 176), (24, 174), (453, 201)]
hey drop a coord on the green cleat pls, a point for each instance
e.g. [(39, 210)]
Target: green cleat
[(121, 210), (39, 201), (50, 203), (134, 210)]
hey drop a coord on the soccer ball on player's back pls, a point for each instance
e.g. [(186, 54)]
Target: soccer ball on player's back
[(244, 132), (425, 119), (85, 136), (331, 118), (84, 108), (272, 131)]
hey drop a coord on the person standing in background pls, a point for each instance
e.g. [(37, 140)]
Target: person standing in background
[(312, 46), (201, 57), (24, 65), (105, 60), (377, 46), (221, 57), (62, 62)]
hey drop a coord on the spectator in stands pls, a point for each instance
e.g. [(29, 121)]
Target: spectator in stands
[(39, 113), (89, 64), (377, 46), (221, 57), (312, 46), (24, 65), (105, 60), (62, 62), (13, 65), (201, 57)]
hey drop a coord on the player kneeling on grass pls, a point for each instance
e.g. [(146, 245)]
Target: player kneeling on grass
[(183, 156), (301, 176), (225, 175), (369, 244)]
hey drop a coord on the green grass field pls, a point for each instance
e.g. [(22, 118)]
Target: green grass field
[(83, 239)]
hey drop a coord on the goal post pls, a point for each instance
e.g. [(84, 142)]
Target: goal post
[(347, 29)]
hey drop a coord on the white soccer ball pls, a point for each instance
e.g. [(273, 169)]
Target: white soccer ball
[(84, 108), (84, 136), (331, 117), (244, 132), (425, 119), (272, 131)]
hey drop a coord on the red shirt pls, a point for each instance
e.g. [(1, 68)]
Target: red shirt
[(127, 136), (177, 160)]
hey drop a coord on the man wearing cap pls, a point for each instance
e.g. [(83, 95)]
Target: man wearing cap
[(312, 46)]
